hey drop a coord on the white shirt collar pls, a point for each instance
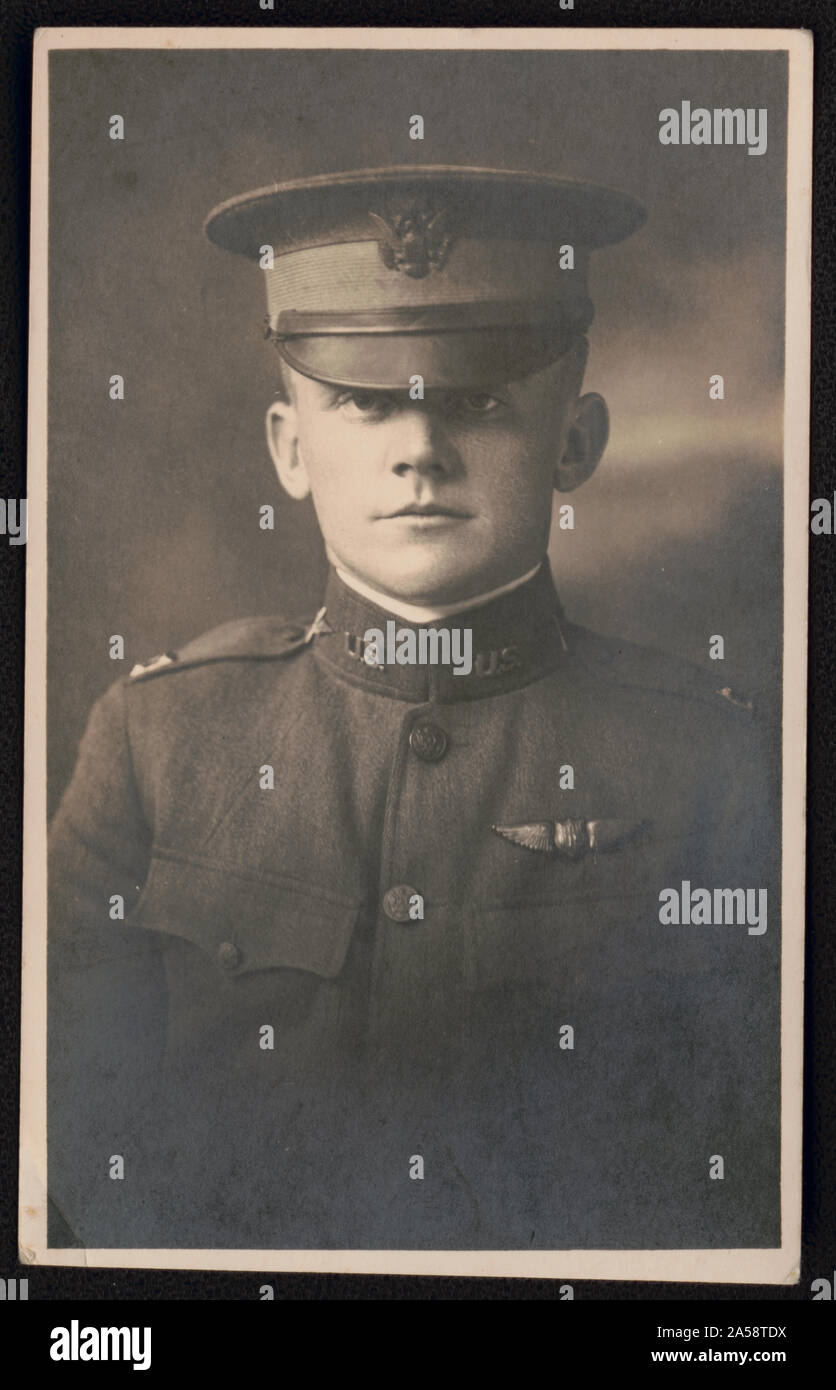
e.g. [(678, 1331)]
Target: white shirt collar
[(412, 613)]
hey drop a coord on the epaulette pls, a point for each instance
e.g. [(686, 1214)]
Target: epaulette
[(246, 639), (629, 663)]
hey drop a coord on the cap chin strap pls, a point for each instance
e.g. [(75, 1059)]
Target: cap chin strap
[(572, 316)]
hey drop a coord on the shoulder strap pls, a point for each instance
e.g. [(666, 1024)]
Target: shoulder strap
[(628, 663), (247, 639)]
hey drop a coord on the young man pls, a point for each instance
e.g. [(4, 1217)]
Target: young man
[(399, 965)]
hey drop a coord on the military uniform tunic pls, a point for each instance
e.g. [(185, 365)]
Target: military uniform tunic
[(319, 982)]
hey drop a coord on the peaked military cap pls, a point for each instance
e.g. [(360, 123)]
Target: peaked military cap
[(453, 274)]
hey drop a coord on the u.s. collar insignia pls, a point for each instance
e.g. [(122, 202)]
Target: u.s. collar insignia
[(572, 838), (413, 239)]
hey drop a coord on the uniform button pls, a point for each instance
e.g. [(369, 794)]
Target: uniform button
[(396, 902), (228, 955), (428, 741)]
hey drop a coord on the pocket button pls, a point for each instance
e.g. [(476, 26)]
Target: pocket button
[(229, 956)]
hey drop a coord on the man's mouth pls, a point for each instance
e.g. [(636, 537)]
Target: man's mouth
[(426, 509)]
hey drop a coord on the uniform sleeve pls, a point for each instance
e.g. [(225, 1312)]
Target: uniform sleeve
[(99, 839), (106, 1003), (742, 1007)]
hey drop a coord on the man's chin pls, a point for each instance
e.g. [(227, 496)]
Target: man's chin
[(427, 585)]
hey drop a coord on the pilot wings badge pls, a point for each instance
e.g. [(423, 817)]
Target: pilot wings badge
[(414, 240), (572, 839)]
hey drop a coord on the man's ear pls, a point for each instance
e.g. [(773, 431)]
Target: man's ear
[(585, 443), (283, 443)]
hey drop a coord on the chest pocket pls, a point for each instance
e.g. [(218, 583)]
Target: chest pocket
[(592, 924), (543, 945), (244, 925), (259, 981)]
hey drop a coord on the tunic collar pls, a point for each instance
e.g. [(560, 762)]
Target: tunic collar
[(488, 649)]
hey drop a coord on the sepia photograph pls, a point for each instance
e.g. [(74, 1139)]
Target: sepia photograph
[(416, 651)]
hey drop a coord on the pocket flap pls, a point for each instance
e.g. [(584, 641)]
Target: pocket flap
[(246, 923)]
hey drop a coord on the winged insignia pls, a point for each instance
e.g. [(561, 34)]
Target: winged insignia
[(572, 838), (414, 240)]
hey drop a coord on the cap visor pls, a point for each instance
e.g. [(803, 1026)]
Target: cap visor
[(389, 362)]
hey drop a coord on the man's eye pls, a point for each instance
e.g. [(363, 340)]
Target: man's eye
[(479, 403), (362, 404)]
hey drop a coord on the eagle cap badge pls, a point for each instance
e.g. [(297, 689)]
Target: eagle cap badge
[(413, 239)]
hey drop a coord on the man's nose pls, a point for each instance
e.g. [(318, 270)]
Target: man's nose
[(420, 444)]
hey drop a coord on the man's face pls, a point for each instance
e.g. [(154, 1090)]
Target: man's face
[(433, 500)]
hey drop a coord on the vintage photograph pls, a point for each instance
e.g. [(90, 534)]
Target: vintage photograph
[(416, 651)]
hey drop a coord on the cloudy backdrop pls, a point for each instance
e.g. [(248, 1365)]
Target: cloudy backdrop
[(153, 501)]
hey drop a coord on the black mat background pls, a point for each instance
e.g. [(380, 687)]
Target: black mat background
[(18, 20)]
